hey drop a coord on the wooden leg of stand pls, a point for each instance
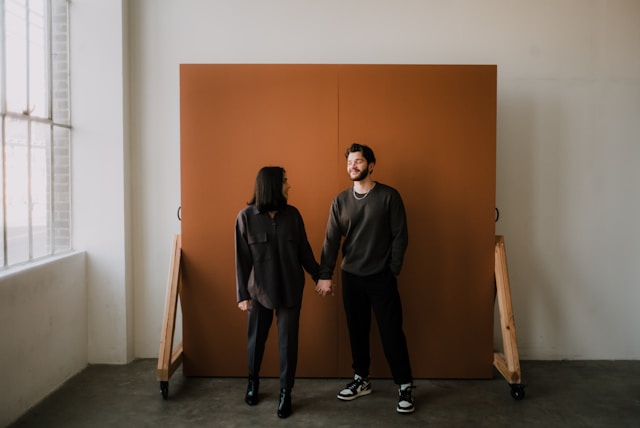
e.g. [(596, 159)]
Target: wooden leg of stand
[(169, 359), (507, 363)]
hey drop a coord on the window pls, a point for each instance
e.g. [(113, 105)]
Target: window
[(35, 162)]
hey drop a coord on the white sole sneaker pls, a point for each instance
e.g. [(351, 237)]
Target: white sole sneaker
[(354, 396), (354, 389)]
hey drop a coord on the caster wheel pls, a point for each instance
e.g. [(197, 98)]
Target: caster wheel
[(164, 389), (517, 391)]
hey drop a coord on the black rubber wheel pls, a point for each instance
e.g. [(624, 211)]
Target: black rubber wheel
[(517, 391), (164, 389)]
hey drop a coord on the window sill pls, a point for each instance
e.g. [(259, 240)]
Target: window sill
[(34, 264)]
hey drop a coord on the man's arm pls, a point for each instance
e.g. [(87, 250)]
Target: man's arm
[(329, 254), (331, 245)]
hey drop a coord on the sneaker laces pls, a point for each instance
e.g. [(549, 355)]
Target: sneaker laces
[(405, 394), (356, 384), (353, 384)]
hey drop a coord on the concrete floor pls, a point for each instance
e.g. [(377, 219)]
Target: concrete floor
[(557, 394)]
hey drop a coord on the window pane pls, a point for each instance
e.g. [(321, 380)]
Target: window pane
[(61, 189), (16, 52), (40, 185), (38, 63), (35, 151), (60, 61), (17, 191)]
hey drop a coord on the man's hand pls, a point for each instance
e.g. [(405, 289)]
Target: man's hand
[(324, 287)]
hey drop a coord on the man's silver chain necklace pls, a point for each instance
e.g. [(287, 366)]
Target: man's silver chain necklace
[(364, 195)]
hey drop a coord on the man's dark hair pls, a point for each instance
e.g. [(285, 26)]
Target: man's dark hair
[(366, 152), (267, 194)]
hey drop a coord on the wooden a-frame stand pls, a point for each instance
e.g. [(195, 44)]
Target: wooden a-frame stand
[(507, 363), (169, 358)]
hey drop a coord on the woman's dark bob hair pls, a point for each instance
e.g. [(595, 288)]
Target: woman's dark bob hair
[(267, 194)]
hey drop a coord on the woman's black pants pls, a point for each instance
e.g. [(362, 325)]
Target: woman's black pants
[(288, 321)]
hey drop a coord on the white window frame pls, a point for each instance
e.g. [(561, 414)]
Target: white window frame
[(35, 160)]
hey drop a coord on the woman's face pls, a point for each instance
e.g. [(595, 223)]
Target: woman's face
[(285, 186)]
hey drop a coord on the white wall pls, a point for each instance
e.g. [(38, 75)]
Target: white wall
[(568, 137), (43, 331), (101, 181)]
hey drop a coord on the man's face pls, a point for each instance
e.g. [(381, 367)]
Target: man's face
[(357, 166)]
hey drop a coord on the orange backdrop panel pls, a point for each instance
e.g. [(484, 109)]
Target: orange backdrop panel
[(433, 131), (234, 120)]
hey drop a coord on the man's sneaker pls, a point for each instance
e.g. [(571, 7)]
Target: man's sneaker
[(405, 401), (358, 387)]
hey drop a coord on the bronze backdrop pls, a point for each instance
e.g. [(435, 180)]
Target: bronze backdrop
[(433, 129)]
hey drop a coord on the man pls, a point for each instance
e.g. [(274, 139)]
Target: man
[(371, 218)]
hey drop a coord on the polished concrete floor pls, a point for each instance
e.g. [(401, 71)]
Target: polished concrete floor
[(557, 394)]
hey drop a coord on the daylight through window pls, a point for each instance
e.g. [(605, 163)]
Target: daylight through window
[(36, 130)]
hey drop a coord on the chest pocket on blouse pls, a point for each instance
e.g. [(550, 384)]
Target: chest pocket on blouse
[(260, 248), (291, 241)]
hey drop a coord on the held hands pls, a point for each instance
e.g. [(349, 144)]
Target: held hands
[(324, 287), (245, 305)]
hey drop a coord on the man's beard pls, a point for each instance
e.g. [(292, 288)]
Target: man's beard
[(363, 174)]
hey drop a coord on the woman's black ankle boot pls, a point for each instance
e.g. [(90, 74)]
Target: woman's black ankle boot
[(284, 406), (251, 398)]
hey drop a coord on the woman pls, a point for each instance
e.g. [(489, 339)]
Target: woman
[(271, 251)]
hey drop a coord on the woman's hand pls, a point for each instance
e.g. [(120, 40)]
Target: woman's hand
[(324, 287), (245, 305)]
